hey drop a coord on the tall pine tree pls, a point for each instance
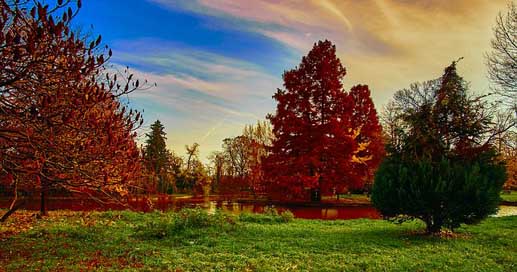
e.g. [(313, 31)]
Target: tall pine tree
[(156, 154)]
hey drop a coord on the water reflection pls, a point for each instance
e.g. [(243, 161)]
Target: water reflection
[(327, 213), (211, 205)]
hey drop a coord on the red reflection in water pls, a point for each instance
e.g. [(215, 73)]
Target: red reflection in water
[(326, 212), (335, 213)]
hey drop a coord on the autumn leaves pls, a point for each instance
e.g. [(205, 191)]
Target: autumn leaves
[(62, 125), (324, 138)]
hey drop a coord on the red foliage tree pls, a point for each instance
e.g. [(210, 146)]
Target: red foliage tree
[(371, 145), (260, 137), (61, 122), (238, 168), (321, 138)]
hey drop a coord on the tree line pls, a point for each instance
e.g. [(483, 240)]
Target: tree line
[(167, 172)]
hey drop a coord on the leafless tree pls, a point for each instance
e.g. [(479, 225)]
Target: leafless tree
[(502, 60)]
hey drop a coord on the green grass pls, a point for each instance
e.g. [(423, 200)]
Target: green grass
[(194, 241), (510, 197)]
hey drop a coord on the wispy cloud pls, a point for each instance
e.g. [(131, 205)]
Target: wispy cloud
[(200, 97), (384, 43)]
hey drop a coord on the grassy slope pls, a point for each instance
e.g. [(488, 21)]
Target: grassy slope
[(112, 241)]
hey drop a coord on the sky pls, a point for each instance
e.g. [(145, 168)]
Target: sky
[(217, 63)]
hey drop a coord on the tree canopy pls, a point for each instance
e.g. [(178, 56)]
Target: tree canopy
[(156, 155), (62, 123), (324, 138), (442, 167)]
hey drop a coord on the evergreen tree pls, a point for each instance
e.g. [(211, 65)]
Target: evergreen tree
[(156, 155), (446, 171)]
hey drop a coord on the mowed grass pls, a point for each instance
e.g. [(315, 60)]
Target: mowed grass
[(509, 197), (68, 241)]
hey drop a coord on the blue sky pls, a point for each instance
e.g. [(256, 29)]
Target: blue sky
[(217, 63), (122, 21)]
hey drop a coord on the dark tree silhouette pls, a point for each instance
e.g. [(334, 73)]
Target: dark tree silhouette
[(156, 155), (444, 171), (502, 60)]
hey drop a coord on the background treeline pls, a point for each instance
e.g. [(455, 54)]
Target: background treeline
[(236, 169)]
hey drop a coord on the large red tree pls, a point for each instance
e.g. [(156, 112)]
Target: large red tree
[(325, 138), (61, 122)]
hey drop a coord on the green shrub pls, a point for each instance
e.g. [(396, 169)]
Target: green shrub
[(155, 229), (270, 211), (192, 218), (443, 194), (120, 215), (287, 216), (270, 215), (160, 225), (199, 218)]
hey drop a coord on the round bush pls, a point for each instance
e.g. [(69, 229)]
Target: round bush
[(447, 193)]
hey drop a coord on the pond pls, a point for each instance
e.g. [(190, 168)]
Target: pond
[(300, 210), (324, 210)]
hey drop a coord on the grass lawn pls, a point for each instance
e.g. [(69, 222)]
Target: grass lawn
[(69, 241), (510, 197)]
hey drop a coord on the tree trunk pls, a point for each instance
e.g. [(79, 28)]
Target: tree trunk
[(14, 206), (43, 207), (433, 225)]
